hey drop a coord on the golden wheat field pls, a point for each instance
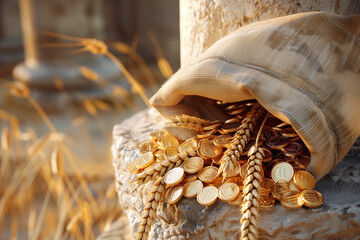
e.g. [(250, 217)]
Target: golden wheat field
[(56, 174)]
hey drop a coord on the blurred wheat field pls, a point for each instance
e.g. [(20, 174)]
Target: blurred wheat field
[(56, 174)]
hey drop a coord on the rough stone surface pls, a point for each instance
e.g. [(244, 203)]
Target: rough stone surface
[(339, 218), (203, 22)]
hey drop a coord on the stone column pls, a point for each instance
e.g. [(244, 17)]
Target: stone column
[(204, 22), (42, 65)]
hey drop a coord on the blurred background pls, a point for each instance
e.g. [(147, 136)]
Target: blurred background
[(61, 92)]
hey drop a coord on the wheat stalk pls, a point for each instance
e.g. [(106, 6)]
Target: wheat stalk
[(149, 213), (190, 122), (229, 161), (160, 169), (251, 188)]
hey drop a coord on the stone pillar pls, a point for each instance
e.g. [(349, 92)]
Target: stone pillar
[(42, 65), (204, 22)]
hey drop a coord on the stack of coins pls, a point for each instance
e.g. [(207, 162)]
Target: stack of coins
[(283, 173)]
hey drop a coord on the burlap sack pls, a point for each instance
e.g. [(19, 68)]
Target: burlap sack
[(303, 68)]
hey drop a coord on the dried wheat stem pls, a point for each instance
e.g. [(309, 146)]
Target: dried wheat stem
[(190, 122), (160, 169), (250, 206), (241, 137), (149, 213)]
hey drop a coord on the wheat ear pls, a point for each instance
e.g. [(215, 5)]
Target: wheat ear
[(190, 122), (160, 169), (237, 144), (251, 196), (149, 213)]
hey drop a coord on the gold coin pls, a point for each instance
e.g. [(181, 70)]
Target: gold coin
[(191, 189), (190, 177), (312, 198), (208, 174), (188, 146), (132, 168), (266, 185), (282, 172), (268, 156), (212, 126), (174, 194), (222, 140), (279, 189), (207, 195), (174, 176), (293, 187), (160, 155), (157, 135), (171, 154), (237, 180), (193, 164), (304, 180), (302, 161), (266, 201), (217, 182), (206, 134), (144, 160), (228, 191), (147, 146), (238, 201), (291, 200), (209, 150), (167, 141)]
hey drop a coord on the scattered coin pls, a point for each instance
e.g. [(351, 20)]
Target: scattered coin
[(206, 134), (268, 155), (238, 201), (174, 176), (233, 120), (237, 180), (312, 198), (291, 200), (228, 191), (148, 146), (288, 132), (277, 142), (282, 172), (279, 189), (144, 160), (188, 146), (190, 177), (230, 127), (268, 132), (293, 149), (212, 126), (157, 135), (193, 164), (265, 185), (191, 189), (304, 180), (293, 187), (171, 154), (208, 174), (207, 196), (266, 201), (209, 150), (174, 194), (222, 140), (167, 141), (132, 167), (302, 161)]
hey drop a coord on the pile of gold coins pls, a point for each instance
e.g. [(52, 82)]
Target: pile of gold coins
[(195, 168)]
